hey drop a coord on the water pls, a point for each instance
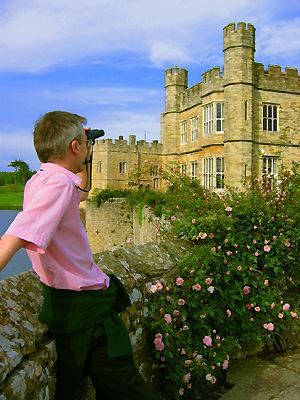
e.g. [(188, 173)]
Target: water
[(20, 261)]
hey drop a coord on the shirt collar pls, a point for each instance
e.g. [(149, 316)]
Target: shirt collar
[(52, 167)]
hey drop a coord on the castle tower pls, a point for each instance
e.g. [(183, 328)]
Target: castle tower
[(239, 49), (176, 82)]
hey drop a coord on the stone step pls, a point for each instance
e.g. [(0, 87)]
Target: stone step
[(258, 379)]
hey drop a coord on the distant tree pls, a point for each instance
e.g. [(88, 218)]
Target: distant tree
[(22, 166)]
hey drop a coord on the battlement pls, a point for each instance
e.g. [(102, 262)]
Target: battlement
[(242, 36), (176, 77), (275, 79), (212, 81), (122, 145)]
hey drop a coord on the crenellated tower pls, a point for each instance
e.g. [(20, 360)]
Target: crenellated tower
[(176, 82), (239, 49)]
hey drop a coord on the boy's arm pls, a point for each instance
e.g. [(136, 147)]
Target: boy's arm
[(9, 245)]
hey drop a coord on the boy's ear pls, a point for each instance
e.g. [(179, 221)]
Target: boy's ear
[(74, 146)]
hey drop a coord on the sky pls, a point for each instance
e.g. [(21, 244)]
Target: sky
[(106, 59)]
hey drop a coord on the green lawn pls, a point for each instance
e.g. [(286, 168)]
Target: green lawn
[(11, 197)]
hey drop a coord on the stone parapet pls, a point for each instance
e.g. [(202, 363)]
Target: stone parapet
[(27, 350), (275, 79)]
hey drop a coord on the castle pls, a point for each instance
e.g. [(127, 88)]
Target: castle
[(230, 125)]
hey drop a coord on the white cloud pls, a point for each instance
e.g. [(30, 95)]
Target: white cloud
[(103, 95), (280, 41), (37, 35)]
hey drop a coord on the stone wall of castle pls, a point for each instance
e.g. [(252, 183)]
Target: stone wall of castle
[(27, 350), (244, 86), (116, 224), (113, 161)]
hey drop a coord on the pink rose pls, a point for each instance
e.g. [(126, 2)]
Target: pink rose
[(208, 281), (269, 327), (286, 307), (168, 318), (246, 290), (197, 287), (173, 218), (181, 302), (159, 346), (207, 341), (293, 314), (153, 289), (179, 281), (193, 220), (267, 248), (175, 313)]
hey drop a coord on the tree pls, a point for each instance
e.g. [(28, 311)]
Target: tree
[(21, 166)]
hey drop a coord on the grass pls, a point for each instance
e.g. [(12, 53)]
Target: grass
[(11, 197)]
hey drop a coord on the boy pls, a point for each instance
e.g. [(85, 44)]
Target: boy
[(81, 303)]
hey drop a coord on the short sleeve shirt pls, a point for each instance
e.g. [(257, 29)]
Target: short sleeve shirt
[(57, 243)]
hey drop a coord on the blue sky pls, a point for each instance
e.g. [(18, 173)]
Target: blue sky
[(105, 59)]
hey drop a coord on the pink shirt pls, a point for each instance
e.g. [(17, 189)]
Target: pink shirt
[(57, 243)]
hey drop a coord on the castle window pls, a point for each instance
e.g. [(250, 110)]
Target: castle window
[(213, 118), (183, 169), (208, 170), (194, 170), (269, 168), (220, 173), (122, 167), (194, 129), (270, 120), (156, 183), (99, 167), (183, 132), (154, 170), (213, 172), (220, 117), (208, 118)]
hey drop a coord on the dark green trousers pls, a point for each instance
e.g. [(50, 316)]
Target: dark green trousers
[(115, 378)]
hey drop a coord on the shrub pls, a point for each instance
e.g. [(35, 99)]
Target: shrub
[(239, 283)]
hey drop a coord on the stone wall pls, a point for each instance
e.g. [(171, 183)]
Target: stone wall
[(114, 223), (27, 350)]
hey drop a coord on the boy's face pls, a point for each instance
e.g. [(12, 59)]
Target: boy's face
[(84, 151)]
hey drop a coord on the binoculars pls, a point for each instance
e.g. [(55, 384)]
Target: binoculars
[(94, 134)]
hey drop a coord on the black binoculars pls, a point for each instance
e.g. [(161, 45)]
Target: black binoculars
[(93, 134)]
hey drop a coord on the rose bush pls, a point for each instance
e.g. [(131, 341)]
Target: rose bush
[(239, 283)]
